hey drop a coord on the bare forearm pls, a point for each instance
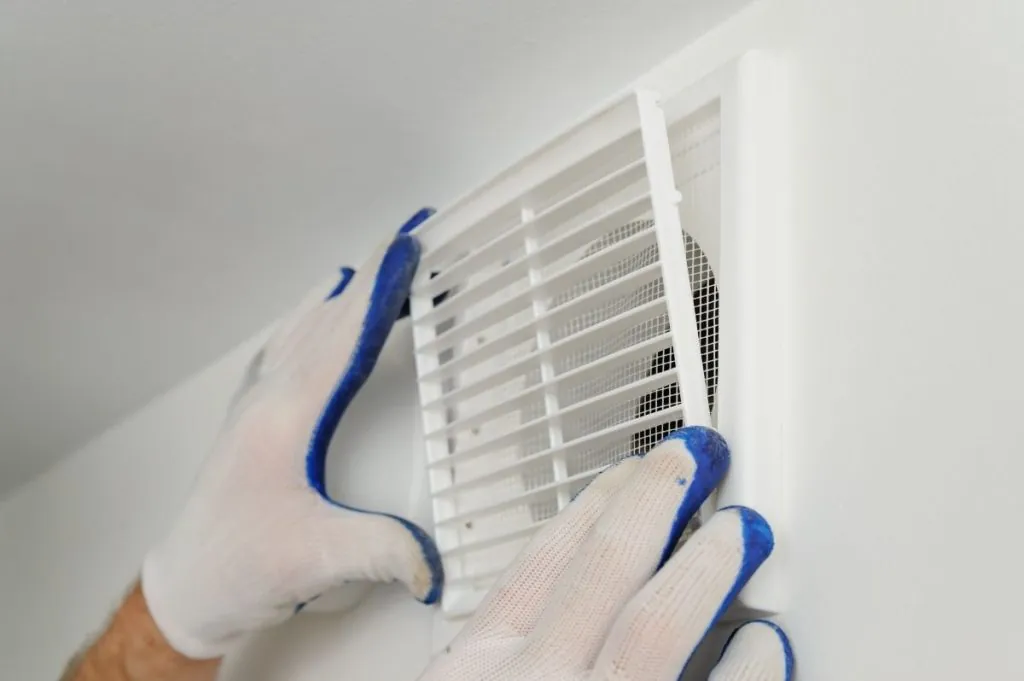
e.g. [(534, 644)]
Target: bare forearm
[(133, 649)]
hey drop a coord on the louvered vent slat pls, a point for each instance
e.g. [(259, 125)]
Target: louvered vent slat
[(551, 354)]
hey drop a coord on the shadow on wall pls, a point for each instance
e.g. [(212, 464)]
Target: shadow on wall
[(360, 645), (374, 461)]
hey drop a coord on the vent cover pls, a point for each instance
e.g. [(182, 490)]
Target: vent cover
[(567, 315)]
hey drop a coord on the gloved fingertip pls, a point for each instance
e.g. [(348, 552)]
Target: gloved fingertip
[(787, 647), (405, 248), (411, 224), (395, 276), (346, 277), (707, 446), (421, 216), (710, 456), (758, 538), (428, 585), (761, 645), (756, 541)]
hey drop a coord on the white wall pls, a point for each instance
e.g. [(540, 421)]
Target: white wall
[(904, 425), (905, 432), (144, 139)]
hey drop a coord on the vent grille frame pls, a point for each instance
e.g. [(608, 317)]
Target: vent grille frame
[(517, 416)]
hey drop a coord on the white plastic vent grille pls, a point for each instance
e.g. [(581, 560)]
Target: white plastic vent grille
[(554, 328)]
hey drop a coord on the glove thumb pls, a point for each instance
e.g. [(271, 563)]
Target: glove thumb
[(355, 545)]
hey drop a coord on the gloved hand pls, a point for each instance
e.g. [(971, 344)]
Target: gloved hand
[(601, 593), (259, 536)]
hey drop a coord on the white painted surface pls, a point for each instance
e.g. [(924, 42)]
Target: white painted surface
[(903, 434), (905, 429), (175, 174)]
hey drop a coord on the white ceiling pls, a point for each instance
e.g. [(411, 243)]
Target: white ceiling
[(174, 174)]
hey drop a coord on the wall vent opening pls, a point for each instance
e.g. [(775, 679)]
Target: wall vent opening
[(569, 314)]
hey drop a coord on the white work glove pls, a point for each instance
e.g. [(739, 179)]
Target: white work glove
[(602, 593), (259, 537)]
